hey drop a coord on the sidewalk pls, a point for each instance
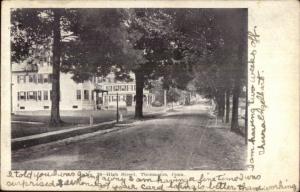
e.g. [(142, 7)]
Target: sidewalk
[(50, 136)]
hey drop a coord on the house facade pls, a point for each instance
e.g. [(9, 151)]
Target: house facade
[(32, 84), (124, 91)]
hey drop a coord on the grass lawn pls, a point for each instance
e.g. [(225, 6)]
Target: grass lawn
[(24, 125), (38, 121), (24, 129)]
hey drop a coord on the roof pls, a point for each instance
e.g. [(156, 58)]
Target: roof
[(23, 67)]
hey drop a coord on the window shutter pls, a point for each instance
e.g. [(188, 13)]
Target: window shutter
[(34, 78)]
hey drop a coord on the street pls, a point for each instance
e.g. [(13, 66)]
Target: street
[(178, 140)]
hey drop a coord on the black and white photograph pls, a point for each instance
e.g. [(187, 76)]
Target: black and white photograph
[(129, 89), (149, 95)]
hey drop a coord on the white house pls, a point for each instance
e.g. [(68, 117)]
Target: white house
[(32, 84)]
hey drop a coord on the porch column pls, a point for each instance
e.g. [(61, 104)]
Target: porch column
[(94, 99)]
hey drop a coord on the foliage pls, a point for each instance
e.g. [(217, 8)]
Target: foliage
[(173, 95)]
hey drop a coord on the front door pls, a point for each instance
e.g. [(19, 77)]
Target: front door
[(99, 102)]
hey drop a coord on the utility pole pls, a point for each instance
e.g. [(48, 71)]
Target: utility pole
[(172, 99), (117, 108), (165, 98)]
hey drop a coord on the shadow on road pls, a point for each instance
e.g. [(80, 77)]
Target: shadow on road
[(178, 115)]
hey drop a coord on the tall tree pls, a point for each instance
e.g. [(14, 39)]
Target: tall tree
[(149, 32), (55, 113), (33, 27), (234, 23), (200, 41), (98, 46), (214, 42)]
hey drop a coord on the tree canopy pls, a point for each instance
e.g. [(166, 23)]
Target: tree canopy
[(199, 48)]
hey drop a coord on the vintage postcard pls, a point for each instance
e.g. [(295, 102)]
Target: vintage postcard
[(150, 95)]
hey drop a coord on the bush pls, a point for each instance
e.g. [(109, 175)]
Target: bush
[(157, 104)]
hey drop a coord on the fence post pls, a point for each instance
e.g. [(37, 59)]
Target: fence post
[(91, 120)]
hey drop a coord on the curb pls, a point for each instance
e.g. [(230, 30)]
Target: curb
[(28, 141)]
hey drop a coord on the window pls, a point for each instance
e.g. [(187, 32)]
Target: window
[(50, 94), (78, 94), (50, 77), (40, 78), (31, 95), (86, 94), (75, 106), (46, 107), (92, 94), (46, 80), (32, 78), (21, 79), (39, 95), (99, 79), (109, 88), (22, 95), (45, 95), (116, 88), (123, 88)]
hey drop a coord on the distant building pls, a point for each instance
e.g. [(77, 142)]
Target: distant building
[(32, 84), (125, 91)]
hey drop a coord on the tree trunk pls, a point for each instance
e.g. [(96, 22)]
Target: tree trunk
[(221, 103), (227, 105), (55, 116), (139, 95), (240, 71), (235, 107), (165, 98)]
